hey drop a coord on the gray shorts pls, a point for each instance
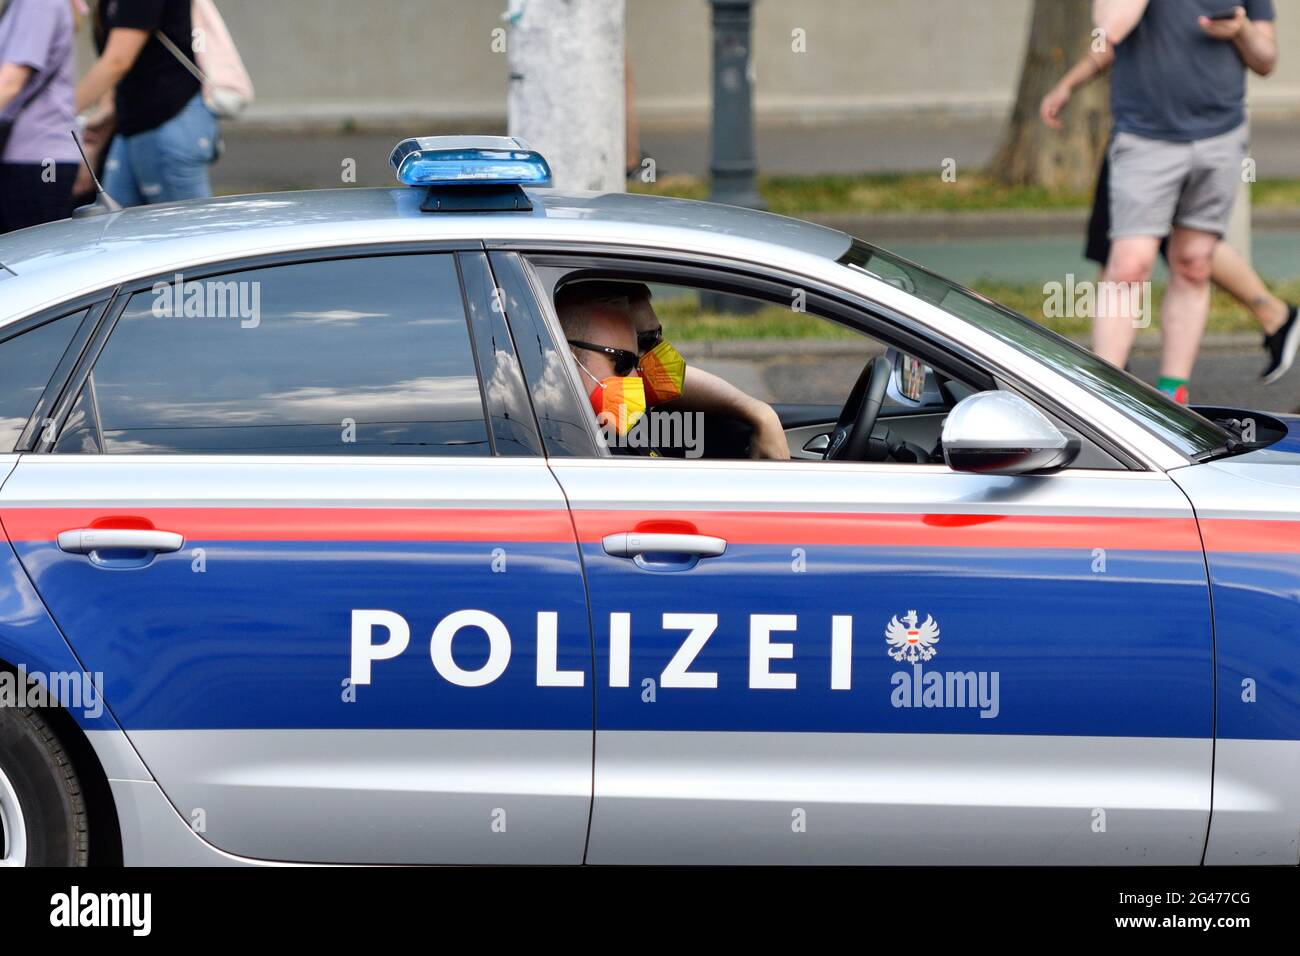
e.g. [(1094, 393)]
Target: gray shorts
[(1156, 185)]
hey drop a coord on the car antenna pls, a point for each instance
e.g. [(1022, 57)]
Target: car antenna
[(104, 203)]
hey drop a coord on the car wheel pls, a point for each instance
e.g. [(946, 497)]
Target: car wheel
[(43, 817)]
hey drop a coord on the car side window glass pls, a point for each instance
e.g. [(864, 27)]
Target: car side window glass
[(559, 407), (680, 371), (773, 360), (366, 356), (801, 365), (80, 433), (27, 360)]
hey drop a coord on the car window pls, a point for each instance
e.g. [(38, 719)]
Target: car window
[(774, 372), (805, 366), (749, 363), (781, 354), (1178, 425), (27, 361), (367, 356)]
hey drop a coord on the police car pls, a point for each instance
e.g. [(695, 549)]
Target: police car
[(316, 552)]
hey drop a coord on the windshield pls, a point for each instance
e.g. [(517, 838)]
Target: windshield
[(1187, 431)]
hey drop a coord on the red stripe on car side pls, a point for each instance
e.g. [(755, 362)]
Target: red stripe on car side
[(302, 524), (905, 530), (1247, 535), (737, 527)]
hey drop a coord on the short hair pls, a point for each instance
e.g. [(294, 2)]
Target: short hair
[(575, 302)]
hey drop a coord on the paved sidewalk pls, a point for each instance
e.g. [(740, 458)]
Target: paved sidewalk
[(908, 143), (998, 245), (260, 159)]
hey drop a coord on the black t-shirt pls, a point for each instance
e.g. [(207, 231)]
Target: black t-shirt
[(158, 86)]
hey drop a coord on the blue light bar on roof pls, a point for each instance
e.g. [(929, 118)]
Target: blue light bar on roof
[(469, 161)]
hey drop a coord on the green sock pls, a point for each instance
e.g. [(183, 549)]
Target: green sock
[(1175, 388)]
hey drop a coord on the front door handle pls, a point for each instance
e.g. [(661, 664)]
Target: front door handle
[(87, 540), (631, 544)]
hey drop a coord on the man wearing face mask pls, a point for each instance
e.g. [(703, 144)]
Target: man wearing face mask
[(618, 345)]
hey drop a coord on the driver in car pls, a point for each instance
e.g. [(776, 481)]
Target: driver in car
[(617, 343)]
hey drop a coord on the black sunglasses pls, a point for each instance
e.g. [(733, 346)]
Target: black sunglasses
[(645, 341), (624, 361)]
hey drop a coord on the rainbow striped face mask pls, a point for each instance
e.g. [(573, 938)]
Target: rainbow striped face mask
[(664, 371), (619, 401)]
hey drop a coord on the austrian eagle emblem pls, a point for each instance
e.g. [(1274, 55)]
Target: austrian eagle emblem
[(910, 640)]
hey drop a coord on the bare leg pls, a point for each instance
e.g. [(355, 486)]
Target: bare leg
[(1233, 275), (1113, 329), (1186, 308)]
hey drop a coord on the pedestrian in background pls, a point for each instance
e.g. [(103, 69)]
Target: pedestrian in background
[(38, 159), (1178, 101), (1279, 319), (164, 137)]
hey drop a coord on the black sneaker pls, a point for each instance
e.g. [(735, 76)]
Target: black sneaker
[(1281, 346)]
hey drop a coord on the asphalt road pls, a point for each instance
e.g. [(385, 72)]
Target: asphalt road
[(1232, 378)]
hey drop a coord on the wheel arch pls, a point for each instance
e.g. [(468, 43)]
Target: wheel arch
[(105, 830)]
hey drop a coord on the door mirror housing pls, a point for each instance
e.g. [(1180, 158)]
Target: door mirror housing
[(999, 433)]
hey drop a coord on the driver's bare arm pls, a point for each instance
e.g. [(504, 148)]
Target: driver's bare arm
[(705, 392)]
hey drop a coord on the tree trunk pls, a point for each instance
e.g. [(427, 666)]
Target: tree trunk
[(566, 88), (1032, 154)]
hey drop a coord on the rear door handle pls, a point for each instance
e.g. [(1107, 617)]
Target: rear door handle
[(630, 544), (86, 540)]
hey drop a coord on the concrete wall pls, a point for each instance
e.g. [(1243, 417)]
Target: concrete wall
[(384, 60)]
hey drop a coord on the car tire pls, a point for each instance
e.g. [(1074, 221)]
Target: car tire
[(42, 807)]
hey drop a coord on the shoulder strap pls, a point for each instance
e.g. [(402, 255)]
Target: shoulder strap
[(176, 51)]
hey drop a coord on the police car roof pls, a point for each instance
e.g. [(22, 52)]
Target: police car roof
[(42, 266)]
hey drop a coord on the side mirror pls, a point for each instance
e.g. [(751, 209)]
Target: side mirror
[(999, 433)]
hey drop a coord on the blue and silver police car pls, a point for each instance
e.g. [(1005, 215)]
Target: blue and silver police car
[(314, 550)]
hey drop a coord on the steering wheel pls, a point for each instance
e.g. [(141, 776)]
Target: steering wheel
[(851, 438)]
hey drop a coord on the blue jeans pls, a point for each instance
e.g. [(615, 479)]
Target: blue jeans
[(167, 163)]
